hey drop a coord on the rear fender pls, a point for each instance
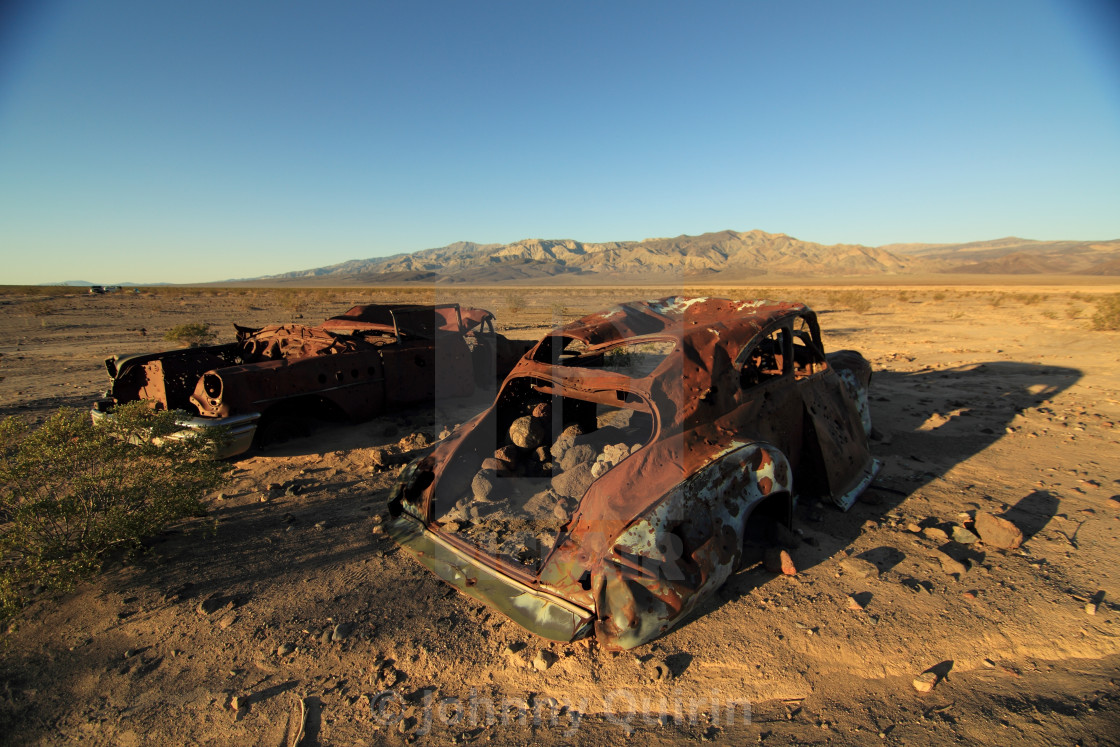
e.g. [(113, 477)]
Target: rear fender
[(668, 561)]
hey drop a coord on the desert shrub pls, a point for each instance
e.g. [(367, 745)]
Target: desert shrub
[(1107, 316), (192, 334), (40, 308), (295, 302), (515, 303), (857, 301), (72, 491)]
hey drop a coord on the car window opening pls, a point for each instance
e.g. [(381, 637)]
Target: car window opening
[(528, 472), (766, 361), (634, 358)]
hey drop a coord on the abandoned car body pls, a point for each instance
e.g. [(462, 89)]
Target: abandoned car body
[(371, 359), (631, 457)]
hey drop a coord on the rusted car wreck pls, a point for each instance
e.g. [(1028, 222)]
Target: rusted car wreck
[(632, 459), (371, 359)]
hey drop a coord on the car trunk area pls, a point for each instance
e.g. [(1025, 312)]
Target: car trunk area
[(516, 480)]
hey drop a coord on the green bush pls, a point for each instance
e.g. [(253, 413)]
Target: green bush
[(1108, 312), (192, 335), (72, 490), (857, 301)]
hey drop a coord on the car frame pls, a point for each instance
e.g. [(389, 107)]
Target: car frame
[(371, 359), (738, 412)]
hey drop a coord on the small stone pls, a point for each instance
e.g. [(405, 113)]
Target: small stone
[(951, 565), (913, 528), (659, 670), (860, 568), (1091, 608), (997, 531), (565, 440), (320, 525), (527, 432), (777, 560), (237, 702), (284, 649), (512, 654), (341, 631), (935, 534), (444, 433), (451, 526), (211, 604), (576, 455), (543, 660), (925, 681), (963, 536), (414, 441), (854, 604), (573, 483), (542, 410), (482, 486), (491, 464), (509, 454)]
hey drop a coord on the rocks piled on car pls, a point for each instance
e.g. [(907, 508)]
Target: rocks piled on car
[(526, 490)]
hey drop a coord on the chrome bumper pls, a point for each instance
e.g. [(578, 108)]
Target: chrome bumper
[(242, 428)]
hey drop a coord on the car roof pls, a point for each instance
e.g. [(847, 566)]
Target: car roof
[(687, 318)]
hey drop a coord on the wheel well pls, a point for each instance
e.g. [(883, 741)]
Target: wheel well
[(776, 508), (309, 406), (292, 419)]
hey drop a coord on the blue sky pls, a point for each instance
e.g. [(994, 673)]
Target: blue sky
[(186, 142)]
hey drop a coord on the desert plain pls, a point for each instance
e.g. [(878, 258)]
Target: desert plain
[(286, 616)]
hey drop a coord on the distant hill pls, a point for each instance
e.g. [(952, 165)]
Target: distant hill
[(1015, 256), (719, 256)]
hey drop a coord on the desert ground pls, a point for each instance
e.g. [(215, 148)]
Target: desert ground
[(286, 609)]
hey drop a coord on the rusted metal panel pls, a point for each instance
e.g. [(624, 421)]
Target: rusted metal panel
[(360, 363), (744, 409)]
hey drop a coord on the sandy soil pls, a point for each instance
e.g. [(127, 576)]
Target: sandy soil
[(286, 606)]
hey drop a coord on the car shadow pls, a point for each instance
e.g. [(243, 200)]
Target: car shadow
[(319, 436), (926, 423)]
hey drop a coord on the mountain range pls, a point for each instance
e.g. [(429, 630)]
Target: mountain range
[(721, 256)]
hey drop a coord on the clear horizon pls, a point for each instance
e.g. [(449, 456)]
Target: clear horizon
[(152, 143)]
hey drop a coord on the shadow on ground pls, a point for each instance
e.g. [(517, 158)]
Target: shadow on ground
[(928, 422)]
